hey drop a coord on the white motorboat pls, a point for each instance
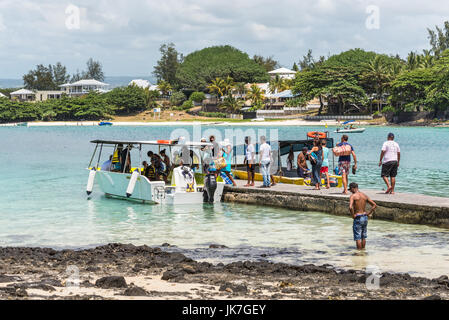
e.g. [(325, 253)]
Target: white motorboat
[(187, 184), (349, 129)]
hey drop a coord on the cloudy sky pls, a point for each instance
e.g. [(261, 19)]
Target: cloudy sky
[(125, 35)]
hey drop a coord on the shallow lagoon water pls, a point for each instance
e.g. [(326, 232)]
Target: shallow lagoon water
[(43, 203)]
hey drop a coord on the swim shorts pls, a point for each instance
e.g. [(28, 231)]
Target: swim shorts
[(360, 227), (390, 169), (344, 167), (250, 167)]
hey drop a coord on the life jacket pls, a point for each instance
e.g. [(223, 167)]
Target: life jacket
[(116, 156)]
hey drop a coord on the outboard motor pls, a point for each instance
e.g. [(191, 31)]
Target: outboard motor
[(210, 185)]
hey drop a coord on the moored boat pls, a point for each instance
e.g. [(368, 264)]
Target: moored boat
[(186, 181)]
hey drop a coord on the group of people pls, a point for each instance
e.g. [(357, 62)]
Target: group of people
[(318, 156), (159, 167), (267, 164)]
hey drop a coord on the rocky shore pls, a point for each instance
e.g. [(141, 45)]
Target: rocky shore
[(119, 271)]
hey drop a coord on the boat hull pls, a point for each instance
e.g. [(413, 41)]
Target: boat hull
[(114, 184), (358, 130)]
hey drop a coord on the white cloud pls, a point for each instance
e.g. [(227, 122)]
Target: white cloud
[(126, 35)]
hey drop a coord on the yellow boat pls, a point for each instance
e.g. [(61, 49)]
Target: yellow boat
[(243, 175), (283, 148)]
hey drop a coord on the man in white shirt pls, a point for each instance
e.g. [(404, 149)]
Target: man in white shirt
[(264, 161), (250, 156), (389, 160)]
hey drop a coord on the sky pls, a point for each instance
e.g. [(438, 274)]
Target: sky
[(125, 36)]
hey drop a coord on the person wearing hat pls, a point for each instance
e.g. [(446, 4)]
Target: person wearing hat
[(357, 207), (389, 160)]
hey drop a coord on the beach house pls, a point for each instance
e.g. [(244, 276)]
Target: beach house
[(283, 73), (23, 95), (83, 87), (43, 95)]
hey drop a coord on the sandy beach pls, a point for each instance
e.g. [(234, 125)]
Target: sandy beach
[(293, 122), (119, 271)]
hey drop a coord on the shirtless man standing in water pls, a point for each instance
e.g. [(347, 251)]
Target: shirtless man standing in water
[(357, 207)]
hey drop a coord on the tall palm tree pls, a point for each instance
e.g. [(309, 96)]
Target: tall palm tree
[(228, 85), (217, 87), (232, 104), (377, 72), (256, 96)]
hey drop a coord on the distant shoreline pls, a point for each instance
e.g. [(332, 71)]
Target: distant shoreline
[(219, 122), (294, 122)]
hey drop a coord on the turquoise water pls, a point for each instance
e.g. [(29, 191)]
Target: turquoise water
[(43, 203)]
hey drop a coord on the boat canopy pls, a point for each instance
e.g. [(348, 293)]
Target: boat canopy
[(284, 146), (154, 142), (349, 121)]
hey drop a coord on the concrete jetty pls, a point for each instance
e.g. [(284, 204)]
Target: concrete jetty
[(400, 207)]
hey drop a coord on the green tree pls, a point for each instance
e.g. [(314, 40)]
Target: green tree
[(231, 104), (151, 97), (377, 75), (218, 87), (168, 64), (94, 70), (165, 87), (197, 96), (437, 93), (256, 95), (439, 38), (201, 67), (409, 90), (40, 79), (268, 63), (60, 75), (177, 98), (127, 99)]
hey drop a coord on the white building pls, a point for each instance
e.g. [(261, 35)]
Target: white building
[(283, 73), (2, 95), (83, 87), (23, 95)]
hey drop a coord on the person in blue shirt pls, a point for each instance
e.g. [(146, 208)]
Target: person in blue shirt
[(325, 165), (227, 154)]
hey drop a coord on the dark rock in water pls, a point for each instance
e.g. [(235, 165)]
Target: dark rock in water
[(87, 284), (217, 246), (111, 282), (173, 274), (239, 288), (166, 244), (5, 278), (433, 297), (442, 280), (92, 269), (135, 292)]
